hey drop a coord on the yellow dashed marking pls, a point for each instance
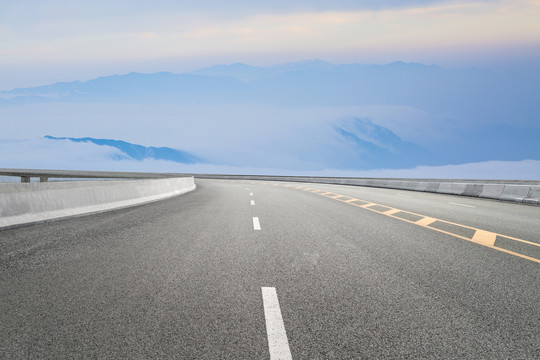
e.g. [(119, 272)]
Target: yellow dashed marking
[(365, 206), (481, 237), (330, 195), (425, 221), (391, 211)]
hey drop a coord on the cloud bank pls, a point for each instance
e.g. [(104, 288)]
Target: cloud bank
[(67, 155), (305, 117)]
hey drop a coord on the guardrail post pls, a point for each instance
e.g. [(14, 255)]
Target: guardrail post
[(43, 178), (25, 179)]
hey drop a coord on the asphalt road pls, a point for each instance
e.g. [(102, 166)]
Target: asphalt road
[(191, 278)]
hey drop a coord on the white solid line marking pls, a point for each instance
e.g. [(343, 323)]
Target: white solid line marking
[(404, 195), (453, 203), (275, 329), (252, 202), (250, 194), (256, 224)]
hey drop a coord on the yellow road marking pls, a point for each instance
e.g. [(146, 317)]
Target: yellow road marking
[(426, 221), (365, 206), (391, 211), (481, 237), (326, 193), (484, 237)]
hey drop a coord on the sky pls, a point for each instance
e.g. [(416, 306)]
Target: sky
[(482, 119), (63, 40)]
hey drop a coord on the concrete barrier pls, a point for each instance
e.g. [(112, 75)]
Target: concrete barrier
[(491, 191), (472, 190), (420, 186), (515, 192), (23, 203), (451, 188), (533, 197), (432, 187)]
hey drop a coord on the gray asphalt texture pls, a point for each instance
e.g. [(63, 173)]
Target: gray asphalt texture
[(181, 279)]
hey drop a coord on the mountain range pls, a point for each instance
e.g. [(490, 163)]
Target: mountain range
[(138, 152), (470, 95), (369, 146), (394, 116)]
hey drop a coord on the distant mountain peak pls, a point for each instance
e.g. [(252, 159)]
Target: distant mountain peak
[(311, 62), (377, 145), (403, 64), (240, 71), (247, 72), (138, 152)]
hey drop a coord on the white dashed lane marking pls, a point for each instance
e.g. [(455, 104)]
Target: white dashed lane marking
[(275, 329), (252, 202), (458, 204), (256, 224)]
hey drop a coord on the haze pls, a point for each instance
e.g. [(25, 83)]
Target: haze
[(456, 84)]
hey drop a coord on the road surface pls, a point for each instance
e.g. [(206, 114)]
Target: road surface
[(260, 270)]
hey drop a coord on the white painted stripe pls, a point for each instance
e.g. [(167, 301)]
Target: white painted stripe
[(275, 329), (404, 195), (252, 202), (462, 204), (250, 194), (256, 224)]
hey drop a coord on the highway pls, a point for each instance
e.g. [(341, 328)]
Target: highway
[(267, 270)]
